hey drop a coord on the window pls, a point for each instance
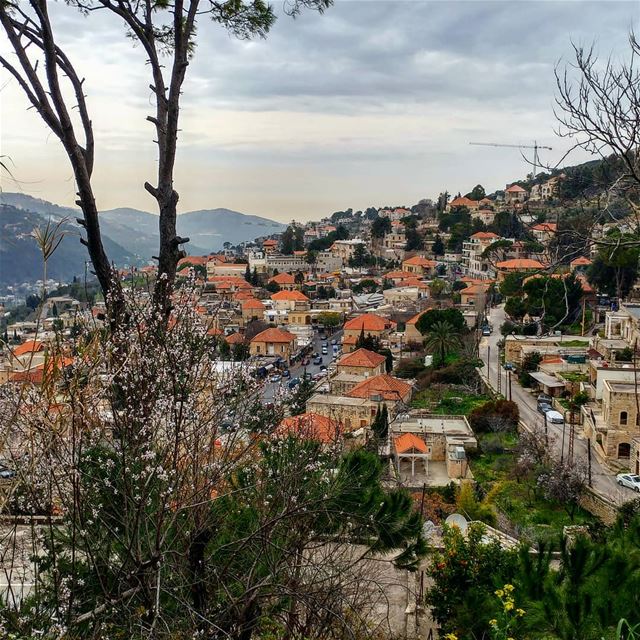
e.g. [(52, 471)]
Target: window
[(623, 418), (624, 450)]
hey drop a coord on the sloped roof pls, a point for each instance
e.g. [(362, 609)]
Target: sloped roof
[(368, 322), (235, 338), (399, 274), (516, 188), (485, 235), (283, 278), (408, 442), (270, 243), (420, 261), (274, 335), (290, 295), (520, 263), (310, 426), (361, 358), (252, 303), (545, 226), (580, 262), (384, 385), (30, 346), (462, 202)]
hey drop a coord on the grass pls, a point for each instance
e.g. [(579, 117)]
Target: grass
[(530, 516), (573, 343), (574, 376), (448, 402)]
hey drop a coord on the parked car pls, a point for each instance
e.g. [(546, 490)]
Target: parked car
[(319, 375), (324, 351), (334, 342), (286, 373), (543, 407), (543, 397), (629, 480), (509, 366), (555, 417), (323, 367), (486, 331), (275, 377), (307, 376), (6, 473), (317, 360), (293, 383)]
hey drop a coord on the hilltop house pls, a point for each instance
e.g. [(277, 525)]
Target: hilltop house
[(369, 324), (273, 342)]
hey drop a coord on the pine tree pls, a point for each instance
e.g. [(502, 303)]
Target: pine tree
[(380, 425), (247, 274), (255, 279)]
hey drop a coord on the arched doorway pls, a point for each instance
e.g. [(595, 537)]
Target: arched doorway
[(624, 450)]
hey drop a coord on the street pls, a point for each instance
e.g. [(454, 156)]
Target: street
[(602, 480), (298, 370)]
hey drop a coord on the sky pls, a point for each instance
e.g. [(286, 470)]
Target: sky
[(373, 103)]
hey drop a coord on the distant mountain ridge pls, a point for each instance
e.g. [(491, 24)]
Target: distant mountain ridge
[(130, 236)]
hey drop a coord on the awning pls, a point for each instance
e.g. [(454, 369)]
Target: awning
[(546, 380)]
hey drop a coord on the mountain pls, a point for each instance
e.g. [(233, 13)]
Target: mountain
[(207, 229), (137, 231), (20, 256)]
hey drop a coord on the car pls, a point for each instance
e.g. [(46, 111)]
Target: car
[(319, 375), (293, 383), (286, 373), (629, 480), (486, 331), (324, 351), (334, 342), (315, 354), (543, 407), (509, 366), (324, 342), (6, 473), (307, 376), (554, 417), (275, 377), (323, 367), (543, 397), (317, 360)]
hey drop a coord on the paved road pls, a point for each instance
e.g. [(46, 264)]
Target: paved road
[(603, 481), (298, 370)]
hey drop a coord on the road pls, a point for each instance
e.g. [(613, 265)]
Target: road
[(603, 481), (298, 370)]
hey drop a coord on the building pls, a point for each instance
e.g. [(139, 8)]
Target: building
[(461, 201), (544, 231), (517, 265), (363, 363), (473, 263), (420, 266), (383, 388), (251, 309), (546, 190), (487, 216), (221, 269), (270, 246), (431, 449), (474, 295), (580, 265), (285, 281), (515, 194), (311, 426), (345, 249), (273, 342), (369, 324)]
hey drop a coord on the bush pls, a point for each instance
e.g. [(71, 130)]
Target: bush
[(496, 416), (492, 444), (410, 368)]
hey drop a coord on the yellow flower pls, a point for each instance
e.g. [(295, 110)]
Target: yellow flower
[(509, 638), (508, 588), (520, 612), (493, 623), (499, 593), (451, 636), (508, 605)]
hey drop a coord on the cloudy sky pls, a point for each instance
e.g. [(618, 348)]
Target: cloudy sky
[(372, 103)]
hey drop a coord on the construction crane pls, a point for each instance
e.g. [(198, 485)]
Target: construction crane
[(535, 146)]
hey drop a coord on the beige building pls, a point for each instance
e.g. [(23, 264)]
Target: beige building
[(344, 249), (273, 342)]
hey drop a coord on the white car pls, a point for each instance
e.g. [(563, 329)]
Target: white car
[(554, 417), (629, 480)]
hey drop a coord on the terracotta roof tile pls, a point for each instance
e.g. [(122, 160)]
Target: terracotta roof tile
[(368, 322), (310, 426), (361, 358), (408, 442), (384, 385), (274, 335), (290, 295)]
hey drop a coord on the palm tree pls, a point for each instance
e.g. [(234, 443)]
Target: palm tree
[(442, 339)]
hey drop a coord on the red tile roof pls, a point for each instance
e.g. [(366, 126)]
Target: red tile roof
[(30, 346), (290, 295), (545, 226), (368, 322), (310, 426), (519, 263), (274, 335), (515, 188), (462, 202), (384, 385), (270, 243), (580, 262), (235, 338), (420, 261), (485, 235), (283, 278), (252, 303), (361, 358), (394, 275), (409, 442)]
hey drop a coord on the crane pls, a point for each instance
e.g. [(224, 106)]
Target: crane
[(535, 146)]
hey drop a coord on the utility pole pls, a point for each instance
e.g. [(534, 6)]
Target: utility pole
[(509, 378), (589, 461), (572, 435), (499, 374), (488, 363), (546, 431), (562, 449)]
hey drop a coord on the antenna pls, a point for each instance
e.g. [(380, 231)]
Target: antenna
[(457, 520), (535, 146)]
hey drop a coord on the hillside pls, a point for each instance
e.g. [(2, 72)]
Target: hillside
[(21, 259), (137, 231)]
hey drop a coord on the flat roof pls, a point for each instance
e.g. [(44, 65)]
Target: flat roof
[(546, 379), (621, 387), (326, 398)]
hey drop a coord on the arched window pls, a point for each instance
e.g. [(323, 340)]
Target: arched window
[(624, 450), (623, 418)]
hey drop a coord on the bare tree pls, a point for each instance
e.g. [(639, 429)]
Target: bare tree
[(167, 33)]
